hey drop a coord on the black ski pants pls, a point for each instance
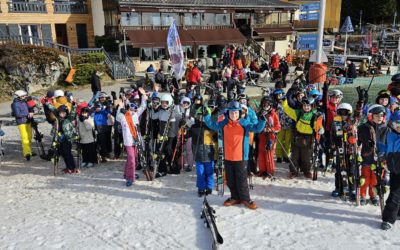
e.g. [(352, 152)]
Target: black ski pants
[(301, 152), (392, 207), (89, 152), (104, 141), (236, 177), (118, 141), (65, 150)]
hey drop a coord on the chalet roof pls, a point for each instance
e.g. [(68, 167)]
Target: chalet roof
[(211, 3)]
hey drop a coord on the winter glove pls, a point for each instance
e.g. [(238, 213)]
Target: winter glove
[(2, 133), (362, 181), (373, 166), (114, 95), (352, 140), (321, 131)]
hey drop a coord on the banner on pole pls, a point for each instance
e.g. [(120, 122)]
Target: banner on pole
[(175, 51)]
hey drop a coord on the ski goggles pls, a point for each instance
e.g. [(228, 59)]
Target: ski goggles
[(133, 106), (343, 112), (156, 103), (186, 103)]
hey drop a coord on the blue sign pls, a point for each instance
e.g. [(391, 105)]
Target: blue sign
[(347, 26), (307, 42), (309, 7), (309, 16)]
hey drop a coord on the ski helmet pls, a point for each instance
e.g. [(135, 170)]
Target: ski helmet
[(307, 101), (277, 92), (63, 108), (314, 93), (377, 109), (383, 94), (242, 96), (211, 103), (234, 106), (344, 109), (103, 95), (186, 99), (336, 92), (167, 98), (58, 93), (20, 93), (198, 97)]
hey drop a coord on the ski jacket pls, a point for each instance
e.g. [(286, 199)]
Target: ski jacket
[(272, 122), (86, 129), (285, 121), (101, 117), (194, 76), (369, 135), (203, 141), (235, 135), (305, 122), (95, 82), (252, 115), (330, 114), (21, 111), (391, 148), (66, 128), (163, 115), (126, 132)]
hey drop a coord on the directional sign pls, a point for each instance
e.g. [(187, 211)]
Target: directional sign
[(347, 26), (307, 42), (339, 61), (309, 7), (309, 16), (389, 44)]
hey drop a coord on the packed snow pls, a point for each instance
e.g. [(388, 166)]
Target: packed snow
[(95, 210)]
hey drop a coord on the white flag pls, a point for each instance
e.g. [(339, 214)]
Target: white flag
[(175, 51)]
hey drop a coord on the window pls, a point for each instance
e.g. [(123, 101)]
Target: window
[(151, 54), (260, 18), (274, 17), (130, 19), (168, 18), (188, 52), (223, 19), (207, 19), (196, 19), (146, 54), (285, 17), (151, 19), (159, 53)]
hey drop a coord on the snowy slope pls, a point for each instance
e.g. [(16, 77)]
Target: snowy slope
[(94, 210)]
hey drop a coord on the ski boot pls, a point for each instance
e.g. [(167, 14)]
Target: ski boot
[(200, 193), (293, 175), (375, 201), (279, 160), (129, 183), (208, 191), (336, 193), (363, 201), (386, 225), (353, 196)]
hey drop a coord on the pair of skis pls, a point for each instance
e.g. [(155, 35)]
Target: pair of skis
[(208, 216)]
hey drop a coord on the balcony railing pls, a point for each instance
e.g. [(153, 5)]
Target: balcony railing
[(186, 27), (27, 7), (297, 24), (70, 8), (272, 26)]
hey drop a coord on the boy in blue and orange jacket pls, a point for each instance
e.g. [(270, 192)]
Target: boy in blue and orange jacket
[(235, 134)]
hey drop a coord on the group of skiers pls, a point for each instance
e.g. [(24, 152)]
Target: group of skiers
[(170, 132)]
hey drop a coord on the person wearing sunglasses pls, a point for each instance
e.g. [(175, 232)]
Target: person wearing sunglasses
[(371, 133), (391, 151), (235, 136), (184, 135)]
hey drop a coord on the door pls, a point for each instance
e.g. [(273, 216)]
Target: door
[(61, 34), (82, 35)]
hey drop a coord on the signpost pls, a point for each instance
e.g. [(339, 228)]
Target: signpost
[(309, 7), (307, 42), (309, 16), (347, 28), (339, 61)]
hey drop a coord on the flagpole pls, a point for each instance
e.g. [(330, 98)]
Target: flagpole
[(320, 31)]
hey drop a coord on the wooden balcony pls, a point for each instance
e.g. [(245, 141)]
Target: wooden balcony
[(272, 26), (70, 7), (305, 25), (27, 7)]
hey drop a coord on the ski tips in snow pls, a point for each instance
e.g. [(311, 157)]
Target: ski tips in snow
[(208, 216)]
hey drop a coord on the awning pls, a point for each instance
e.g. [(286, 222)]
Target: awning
[(268, 32), (158, 38)]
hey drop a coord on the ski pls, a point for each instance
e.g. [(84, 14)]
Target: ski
[(38, 136), (55, 144), (208, 216)]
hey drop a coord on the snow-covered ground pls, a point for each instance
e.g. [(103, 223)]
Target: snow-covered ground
[(95, 210)]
